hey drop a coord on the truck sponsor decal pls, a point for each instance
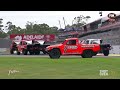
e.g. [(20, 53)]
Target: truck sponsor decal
[(87, 46), (31, 37), (71, 47), (48, 37)]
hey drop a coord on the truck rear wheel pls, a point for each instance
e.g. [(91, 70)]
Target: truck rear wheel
[(106, 52), (95, 53), (54, 54), (87, 54), (18, 53)]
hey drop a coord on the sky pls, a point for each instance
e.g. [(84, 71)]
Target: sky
[(20, 18)]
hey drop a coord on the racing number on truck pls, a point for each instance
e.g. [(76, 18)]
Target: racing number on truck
[(72, 47)]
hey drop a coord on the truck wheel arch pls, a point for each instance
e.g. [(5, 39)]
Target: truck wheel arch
[(54, 53), (88, 53), (58, 49)]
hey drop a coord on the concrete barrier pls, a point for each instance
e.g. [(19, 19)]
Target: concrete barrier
[(4, 51)]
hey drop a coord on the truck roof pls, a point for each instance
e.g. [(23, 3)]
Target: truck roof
[(71, 38), (93, 39)]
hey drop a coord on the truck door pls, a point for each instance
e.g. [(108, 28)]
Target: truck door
[(19, 46), (71, 47)]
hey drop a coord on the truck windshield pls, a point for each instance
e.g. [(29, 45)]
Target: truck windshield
[(63, 41)]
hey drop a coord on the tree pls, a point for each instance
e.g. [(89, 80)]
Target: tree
[(87, 17), (54, 30), (13, 29), (9, 27), (29, 28), (1, 24), (2, 33), (32, 28)]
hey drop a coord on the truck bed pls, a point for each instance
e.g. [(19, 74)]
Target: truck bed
[(36, 46)]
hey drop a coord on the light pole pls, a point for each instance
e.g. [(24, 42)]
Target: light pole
[(72, 22), (60, 24), (101, 18), (64, 22)]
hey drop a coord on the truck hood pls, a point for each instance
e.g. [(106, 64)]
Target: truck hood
[(52, 46)]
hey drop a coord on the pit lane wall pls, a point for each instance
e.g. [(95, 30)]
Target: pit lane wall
[(115, 49), (4, 51)]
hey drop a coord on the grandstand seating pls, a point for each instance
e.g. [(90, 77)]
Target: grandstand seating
[(112, 36)]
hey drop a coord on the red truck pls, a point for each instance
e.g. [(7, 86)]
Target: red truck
[(73, 46), (31, 46)]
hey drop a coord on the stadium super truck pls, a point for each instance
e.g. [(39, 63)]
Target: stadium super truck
[(73, 46), (33, 47)]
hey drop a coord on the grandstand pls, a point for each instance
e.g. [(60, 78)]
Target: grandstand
[(99, 29)]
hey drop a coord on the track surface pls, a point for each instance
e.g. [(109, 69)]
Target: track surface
[(61, 56)]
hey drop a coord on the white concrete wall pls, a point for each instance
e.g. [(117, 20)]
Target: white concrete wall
[(4, 51), (115, 49)]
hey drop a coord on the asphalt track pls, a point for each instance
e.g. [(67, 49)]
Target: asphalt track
[(112, 56)]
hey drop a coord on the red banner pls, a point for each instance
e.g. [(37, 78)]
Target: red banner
[(49, 37)]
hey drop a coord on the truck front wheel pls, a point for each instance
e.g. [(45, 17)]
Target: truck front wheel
[(87, 54), (11, 51), (54, 54), (24, 52)]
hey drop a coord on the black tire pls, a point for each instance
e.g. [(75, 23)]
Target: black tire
[(18, 53), (11, 51), (54, 53), (106, 52), (24, 52), (87, 54)]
